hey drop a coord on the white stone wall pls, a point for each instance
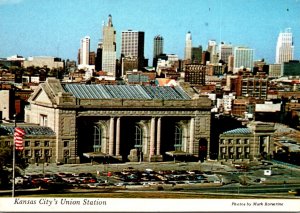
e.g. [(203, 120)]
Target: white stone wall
[(4, 103)]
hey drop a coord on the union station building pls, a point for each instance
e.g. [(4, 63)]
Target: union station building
[(120, 122)]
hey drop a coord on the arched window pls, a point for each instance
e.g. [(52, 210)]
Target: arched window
[(97, 139), (178, 138), (138, 137)]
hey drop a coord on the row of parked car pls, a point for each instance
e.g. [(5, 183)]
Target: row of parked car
[(128, 176), (66, 180)]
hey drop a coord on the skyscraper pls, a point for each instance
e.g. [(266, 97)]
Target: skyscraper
[(225, 51), (243, 58), (133, 45), (158, 48), (109, 48), (188, 46), (284, 48), (84, 50), (197, 54), (212, 49), (98, 62)]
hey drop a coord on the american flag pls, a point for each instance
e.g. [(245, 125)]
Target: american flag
[(18, 138)]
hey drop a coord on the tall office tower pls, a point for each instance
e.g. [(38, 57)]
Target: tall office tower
[(284, 48), (243, 58), (230, 63), (205, 57), (212, 49), (92, 58), (85, 50), (225, 51), (158, 48), (98, 61), (109, 48), (197, 54), (78, 56), (275, 70), (188, 46), (133, 46)]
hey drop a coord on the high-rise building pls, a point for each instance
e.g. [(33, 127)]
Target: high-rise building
[(188, 46), (109, 48), (275, 70), (291, 68), (133, 45), (85, 50), (205, 57), (243, 58), (212, 49), (92, 58), (158, 48), (284, 48), (197, 54), (230, 63), (225, 51), (98, 60)]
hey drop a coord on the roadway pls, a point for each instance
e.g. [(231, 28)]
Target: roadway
[(250, 189)]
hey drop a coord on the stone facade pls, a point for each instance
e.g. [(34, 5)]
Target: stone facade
[(39, 142), (251, 143), (121, 129)]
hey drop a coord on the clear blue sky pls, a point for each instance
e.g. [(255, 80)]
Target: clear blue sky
[(55, 27)]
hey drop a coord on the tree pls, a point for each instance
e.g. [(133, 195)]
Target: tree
[(6, 161)]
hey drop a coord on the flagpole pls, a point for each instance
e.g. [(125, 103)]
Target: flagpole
[(14, 159)]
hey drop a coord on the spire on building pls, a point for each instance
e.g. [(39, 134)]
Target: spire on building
[(109, 23)]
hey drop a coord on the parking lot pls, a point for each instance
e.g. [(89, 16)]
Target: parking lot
[(137, 174), (211, 173)]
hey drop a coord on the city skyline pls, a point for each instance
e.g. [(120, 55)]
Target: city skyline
[(33, 28)]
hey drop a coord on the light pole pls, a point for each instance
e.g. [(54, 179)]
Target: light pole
[(14, 159), (44, 167)]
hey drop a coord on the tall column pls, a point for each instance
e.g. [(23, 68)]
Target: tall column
[(152, 137), (158, 136), (192, 135), (111, 136), (118, 136)]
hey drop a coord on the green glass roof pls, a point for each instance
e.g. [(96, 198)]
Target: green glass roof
[(97, 91), (239, 131), (29, 130)]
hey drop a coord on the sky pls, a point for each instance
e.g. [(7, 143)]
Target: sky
[(55, 27)]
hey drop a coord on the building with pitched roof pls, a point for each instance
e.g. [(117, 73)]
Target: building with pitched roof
[(121, 122)]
